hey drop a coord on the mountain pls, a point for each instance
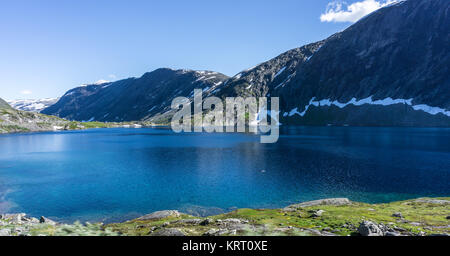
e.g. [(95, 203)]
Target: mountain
[(391, 68), (32, 105), (133, 98), (4, 104), (12, 120)]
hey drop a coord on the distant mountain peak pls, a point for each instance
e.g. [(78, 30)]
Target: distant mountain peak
[(133, 99), (32, 105)]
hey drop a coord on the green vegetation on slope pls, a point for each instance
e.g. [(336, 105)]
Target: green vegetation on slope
[(423, 216), (13, 121)]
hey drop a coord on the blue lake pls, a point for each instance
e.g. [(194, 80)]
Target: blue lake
[(118, 174)]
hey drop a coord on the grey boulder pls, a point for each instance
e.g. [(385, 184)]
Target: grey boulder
[(190, 221), (168, 232), (317, 213), (45, 220), (368, 228), (397, 215), (392, 234), (328, 201), (160, 215), (5, 232), (432, 201)]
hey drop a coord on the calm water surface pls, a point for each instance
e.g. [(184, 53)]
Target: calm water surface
[(117, 174)]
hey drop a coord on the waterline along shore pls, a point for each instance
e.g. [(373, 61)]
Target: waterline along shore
[(326, 217)]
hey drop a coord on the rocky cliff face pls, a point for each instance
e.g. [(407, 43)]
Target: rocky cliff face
[(390, 68), (134, 98)]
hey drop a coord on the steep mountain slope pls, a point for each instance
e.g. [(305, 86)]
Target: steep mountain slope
[(4, 104), (390, 68), (268, 76), (134, 98), (32, 105)]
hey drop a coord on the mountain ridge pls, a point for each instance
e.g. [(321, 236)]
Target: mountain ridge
[(133, 98), (389, 68)]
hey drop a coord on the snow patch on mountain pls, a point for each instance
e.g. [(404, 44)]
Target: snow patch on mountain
[(279, 72), (32, 105), (382, 102), (101, 82)]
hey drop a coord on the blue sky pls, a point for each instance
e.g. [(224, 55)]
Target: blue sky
[(48, 47)]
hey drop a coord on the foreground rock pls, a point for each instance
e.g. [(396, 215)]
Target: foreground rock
[(168, 232), (432, 201), (326, 217), (368, 228), (317, 213), (46, 221), (329, 201), (397, 215), (5, 232), (191, 221), (160, 215), (19, 218), (19, 224)]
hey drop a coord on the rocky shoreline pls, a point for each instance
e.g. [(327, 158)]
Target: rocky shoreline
[(326, 217)]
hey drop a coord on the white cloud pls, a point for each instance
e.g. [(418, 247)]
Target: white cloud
[(26, 92), (339, 11), (112, 76)]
